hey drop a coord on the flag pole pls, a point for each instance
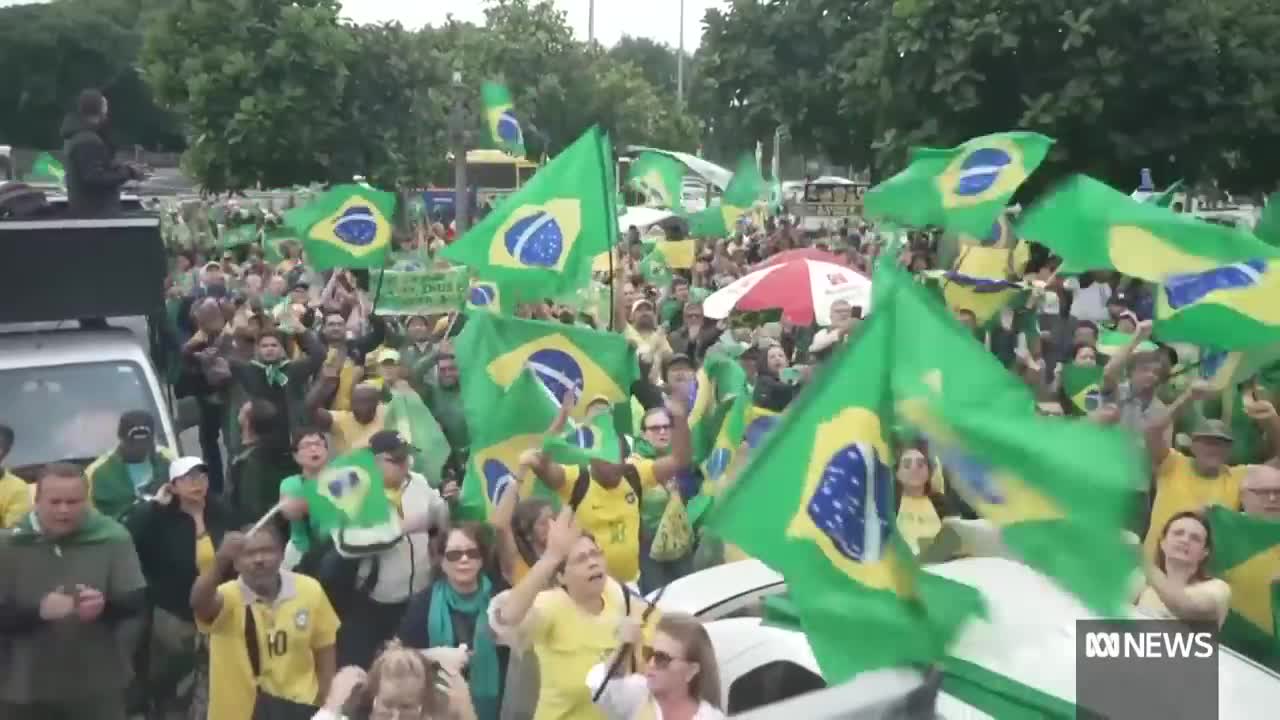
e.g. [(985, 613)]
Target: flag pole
[(266, 518)]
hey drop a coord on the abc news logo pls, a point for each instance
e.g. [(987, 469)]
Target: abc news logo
[(1134, 645)]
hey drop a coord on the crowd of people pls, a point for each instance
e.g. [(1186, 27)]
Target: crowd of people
[(145, 583)]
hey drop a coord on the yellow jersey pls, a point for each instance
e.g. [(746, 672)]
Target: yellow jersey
[(15, 499), (299, 622), (1180, 488), (612, 516), (351, 434), (918, 521), (569, 642)]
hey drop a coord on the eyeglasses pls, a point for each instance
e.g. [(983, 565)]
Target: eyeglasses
[(659, 658), (658, 428), (457, 555)]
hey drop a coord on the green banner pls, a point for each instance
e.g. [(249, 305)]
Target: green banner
[(421, 292)]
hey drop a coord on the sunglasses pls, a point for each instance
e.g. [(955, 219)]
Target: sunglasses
[(457, 555), (659, 658)]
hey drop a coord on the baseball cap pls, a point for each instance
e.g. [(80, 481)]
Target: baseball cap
[(212, 265), (388, 441), (300, 285), (680, 359), (184, 465), (1213, 428), (389, 355), (642, 301)]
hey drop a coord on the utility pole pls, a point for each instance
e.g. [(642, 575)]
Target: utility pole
[(458, 131), (591, 22), (680, 61)]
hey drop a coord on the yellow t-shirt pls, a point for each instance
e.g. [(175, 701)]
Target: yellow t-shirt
[(1216, 590), (350, 434), (15, 499), (568, 642), (290, 630), (346, 381), (1180, 488), (613, 517), (205, 556), (918, 521)]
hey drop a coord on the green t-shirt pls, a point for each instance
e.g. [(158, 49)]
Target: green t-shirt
[(292, 486)]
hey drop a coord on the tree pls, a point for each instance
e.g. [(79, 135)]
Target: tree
[(51, 52), (656, 61), (260, 84)]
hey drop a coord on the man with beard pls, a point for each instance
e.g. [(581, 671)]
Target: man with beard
[(70, 587), (93, 175)]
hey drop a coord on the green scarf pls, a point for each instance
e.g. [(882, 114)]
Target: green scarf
[(113, 491), (96, 528), (643, 448), (274, 372), (484, 671)]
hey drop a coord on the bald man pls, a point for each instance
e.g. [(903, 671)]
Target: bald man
[(69, 581), (1260, 491), (351, 429)]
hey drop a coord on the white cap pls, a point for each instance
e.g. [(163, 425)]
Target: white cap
[(184, 465)]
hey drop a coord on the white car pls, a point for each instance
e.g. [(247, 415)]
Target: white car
[(1029, 638)]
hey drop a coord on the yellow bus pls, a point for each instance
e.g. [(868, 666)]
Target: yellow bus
[(495, 174)]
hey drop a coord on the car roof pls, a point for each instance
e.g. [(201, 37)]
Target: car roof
[(69, 346), (697, 592)]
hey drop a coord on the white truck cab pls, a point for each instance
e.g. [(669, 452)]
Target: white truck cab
[(79, 329)]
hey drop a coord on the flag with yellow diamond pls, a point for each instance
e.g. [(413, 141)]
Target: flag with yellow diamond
[(348, 494), (745, 189), (501, 121), (832, 533), (348, 226), (1059, 490), (1246, 554), (540, 241), (660, 178)]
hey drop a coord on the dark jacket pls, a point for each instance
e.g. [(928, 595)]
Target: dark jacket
[(165, 538), (93, 176), (66, 660), (695, 347)]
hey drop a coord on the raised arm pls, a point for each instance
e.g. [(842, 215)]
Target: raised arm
[(1116, 364), (206, 602), (1157, 428), (561, 536)]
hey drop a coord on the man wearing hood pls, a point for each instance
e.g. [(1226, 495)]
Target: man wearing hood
[(69, 578), (93, 175)]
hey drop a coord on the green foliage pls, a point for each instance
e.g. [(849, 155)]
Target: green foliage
[(260, 84), (1184, 87), (50, 52)]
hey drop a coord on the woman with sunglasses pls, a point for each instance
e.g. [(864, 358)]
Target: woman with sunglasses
[(680, 679), (453, 612)]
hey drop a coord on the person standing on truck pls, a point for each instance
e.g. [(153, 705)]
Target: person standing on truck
[(94, 177), (15, 497), (72, 596), (135, 469)]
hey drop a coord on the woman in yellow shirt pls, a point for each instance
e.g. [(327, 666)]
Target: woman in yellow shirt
[(920, 506)]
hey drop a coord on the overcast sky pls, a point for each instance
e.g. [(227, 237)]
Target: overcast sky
[(655, 19)]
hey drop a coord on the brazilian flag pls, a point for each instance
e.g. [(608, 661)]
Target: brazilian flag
[(660, 178), (597, 439), (1082, 385), (718, 385), (501, 122), (832, 533), (962, 189), (348, 495), (1217, 284), (540, 241), (980, 282), (593, 364), (746, 188), (504, 428), (348, 226), (1246, 554), (733, 428), (486, 296), (1059, 490)]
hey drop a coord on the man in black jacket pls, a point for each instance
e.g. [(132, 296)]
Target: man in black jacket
[(93, 175)]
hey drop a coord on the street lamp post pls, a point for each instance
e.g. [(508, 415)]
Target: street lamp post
[(458, 133), (680, 60)]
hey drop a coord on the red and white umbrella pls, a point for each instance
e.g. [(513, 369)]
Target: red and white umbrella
[(804, 288)]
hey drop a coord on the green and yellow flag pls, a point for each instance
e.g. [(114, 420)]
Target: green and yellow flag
[(348, 226), (1058, 489), (833, 534), (1217, 284), (541, 241), (47, 169), (1246, 553), (596, 439), (746, 188), (505, 426), (962, 189), (407, 414), (1082, 385), (501, 122), (660, 178), (348, 494)]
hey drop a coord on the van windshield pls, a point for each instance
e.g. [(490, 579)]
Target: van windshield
[(70, 412)]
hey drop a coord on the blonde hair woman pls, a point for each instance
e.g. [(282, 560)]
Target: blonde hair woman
[(402, 684), (680, 679)]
